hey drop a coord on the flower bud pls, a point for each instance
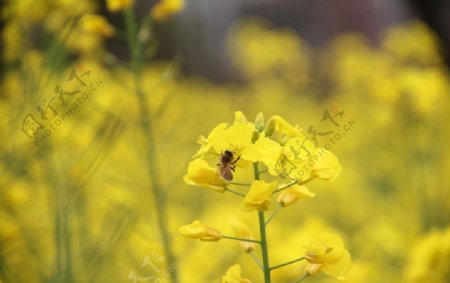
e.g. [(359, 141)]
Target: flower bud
[(197, 230)]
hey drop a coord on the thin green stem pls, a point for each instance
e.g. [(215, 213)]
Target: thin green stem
[(234, 192), (150, 151), (265, 253), (287, 263), (275, 212), (256, 260), (239, 184), (285, 187), (262, 232), (241, 239), (301, 278)]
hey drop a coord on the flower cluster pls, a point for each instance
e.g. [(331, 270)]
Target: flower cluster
[(282, 160)]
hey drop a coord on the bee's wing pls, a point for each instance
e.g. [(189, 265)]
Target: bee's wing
[(226, 173)]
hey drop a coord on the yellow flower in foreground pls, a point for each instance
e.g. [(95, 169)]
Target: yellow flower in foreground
[(263, 150), (118, 5), (281, 129), (242, 231), (166, 8), (197, 230), (96, 24), (327, 166), (233, 275), (294, 194), (225, 137), (328, 254), (258, 197), (202, 175)]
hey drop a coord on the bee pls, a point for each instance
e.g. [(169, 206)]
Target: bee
[(226, 165)]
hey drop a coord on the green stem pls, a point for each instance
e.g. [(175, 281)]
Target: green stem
[(262, 231), (256, 260), (241, 239), (284, 187), (301, 278), (287, 263), (150, 151), (234, 192), (265, 254), (273, 214)]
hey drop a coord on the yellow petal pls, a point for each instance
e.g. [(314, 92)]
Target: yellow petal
[(202, 175), (197, 230), (259, 196), (294, 194)]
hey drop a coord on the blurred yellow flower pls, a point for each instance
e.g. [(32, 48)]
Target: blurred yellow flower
[(430, 259), (233, 275), (294, 194), (164, 9), (242, 231), (197, 230), (327, 253), (96, 24), (202, 175), (118, 5), (259, 196)]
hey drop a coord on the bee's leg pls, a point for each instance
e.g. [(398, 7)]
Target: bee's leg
[(232, 168), (236, 160)]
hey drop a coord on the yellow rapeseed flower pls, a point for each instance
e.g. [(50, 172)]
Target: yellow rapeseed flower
[(259, 196), (242, 231), (233, 275), (294, 194), (327, 253), (327, 166), (118, 5), (96, 24), (166, 8), (201, 174), (197, 230)]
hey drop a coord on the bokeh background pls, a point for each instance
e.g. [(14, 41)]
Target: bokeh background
[(92, 160)]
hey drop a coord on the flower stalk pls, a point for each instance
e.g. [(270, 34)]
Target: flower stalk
[(147, 129)]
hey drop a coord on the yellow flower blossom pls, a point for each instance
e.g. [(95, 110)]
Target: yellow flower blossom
[(118, 5), (327, 166), (202, 175), (281, 129), (328, 254), (263, 150), (294, 194), (233, 275), (96, 24), (242, 231), (259, 196), (198, 230), (166, 8)]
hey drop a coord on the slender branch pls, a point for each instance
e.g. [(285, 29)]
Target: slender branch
[(150, 151), (275, 212), (256, 260), (287, 263), (291, 184), (265, 253), (285, 187), (241, 239), (234, 192)]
